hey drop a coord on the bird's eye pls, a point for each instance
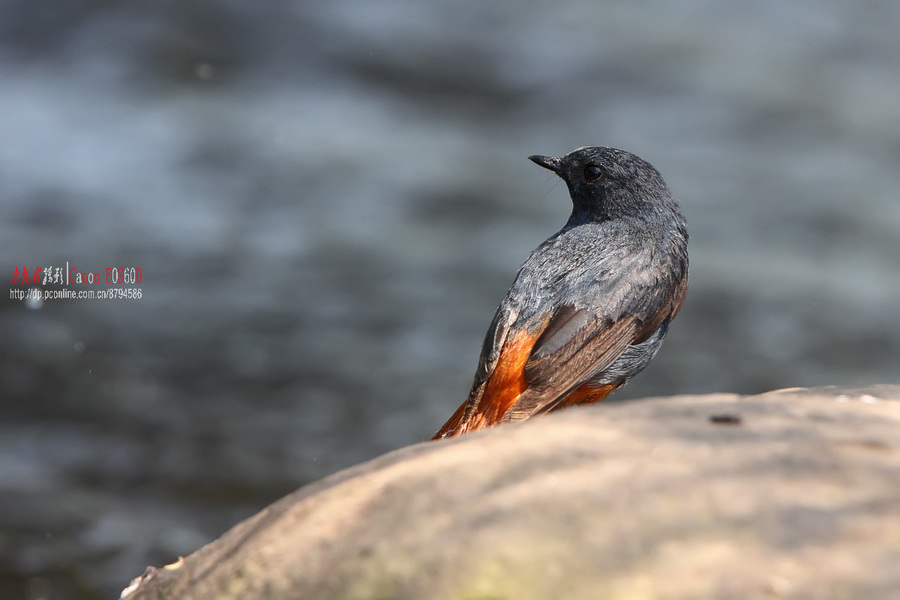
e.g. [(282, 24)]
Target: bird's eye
[(592, 172)]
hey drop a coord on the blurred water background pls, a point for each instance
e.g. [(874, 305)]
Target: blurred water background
[(327, 200)]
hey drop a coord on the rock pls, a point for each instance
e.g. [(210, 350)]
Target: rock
[(789, 494)]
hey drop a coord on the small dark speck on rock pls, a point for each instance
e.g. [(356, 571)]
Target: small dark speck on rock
[(725, 419)]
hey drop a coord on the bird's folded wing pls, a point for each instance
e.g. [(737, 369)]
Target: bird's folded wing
[(530, 367), (528, 370), (575, 347)]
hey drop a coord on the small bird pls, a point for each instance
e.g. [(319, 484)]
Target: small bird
[(590, 307)]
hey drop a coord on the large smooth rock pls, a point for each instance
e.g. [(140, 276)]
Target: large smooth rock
[(790, 494)]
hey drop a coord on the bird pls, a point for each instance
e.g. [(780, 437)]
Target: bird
[(590, 307)]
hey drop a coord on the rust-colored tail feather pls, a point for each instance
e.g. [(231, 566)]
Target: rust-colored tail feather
[(501, 390), (452, 426)]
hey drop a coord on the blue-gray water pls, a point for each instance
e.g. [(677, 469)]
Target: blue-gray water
[(328, 200)]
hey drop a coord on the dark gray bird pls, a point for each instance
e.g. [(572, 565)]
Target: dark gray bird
[(590, 307)]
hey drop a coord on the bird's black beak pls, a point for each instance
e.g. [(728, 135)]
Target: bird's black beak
[(548, 162)]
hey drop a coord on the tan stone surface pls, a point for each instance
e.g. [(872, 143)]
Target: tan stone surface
[(643, 500)]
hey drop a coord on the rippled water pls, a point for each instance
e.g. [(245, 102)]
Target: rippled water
[(327, 201)]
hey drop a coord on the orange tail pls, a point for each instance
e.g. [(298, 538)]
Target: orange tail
[(501, 390), (584, 394), (453, 424)]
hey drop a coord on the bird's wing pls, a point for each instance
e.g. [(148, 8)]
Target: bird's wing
[(579, 344), (528, 368), (579, 347)]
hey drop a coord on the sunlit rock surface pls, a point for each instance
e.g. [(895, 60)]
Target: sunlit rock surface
[(789, 494)]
